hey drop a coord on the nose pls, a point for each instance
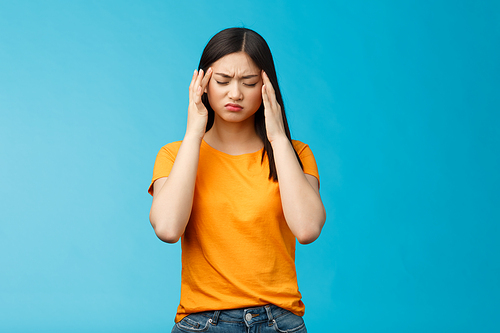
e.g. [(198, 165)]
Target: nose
[(235, 92)]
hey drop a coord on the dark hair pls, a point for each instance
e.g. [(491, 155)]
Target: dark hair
[(234, 40)]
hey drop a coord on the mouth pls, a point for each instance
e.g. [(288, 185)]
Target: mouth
[(233, 107)]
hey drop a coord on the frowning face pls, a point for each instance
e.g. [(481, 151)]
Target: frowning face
[(235, 89)]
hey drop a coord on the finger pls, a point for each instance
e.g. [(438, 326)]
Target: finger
[(269, 88), (198, 80), (191, 85), (264, 77), (265, 98), (193, 79), (268, 83), (197, 88), (206, 79)]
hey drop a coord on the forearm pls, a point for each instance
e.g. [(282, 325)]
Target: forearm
[(172, 203), (302, 206)]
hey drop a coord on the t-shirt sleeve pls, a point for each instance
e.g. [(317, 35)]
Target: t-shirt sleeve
[(307, 158), (164, 162)]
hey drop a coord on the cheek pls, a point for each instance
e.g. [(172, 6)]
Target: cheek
[(256, 96), (212, 92)]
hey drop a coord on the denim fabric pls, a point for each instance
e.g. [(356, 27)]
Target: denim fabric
[(264, 319)]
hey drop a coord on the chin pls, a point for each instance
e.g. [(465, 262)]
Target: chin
[(235, 118)]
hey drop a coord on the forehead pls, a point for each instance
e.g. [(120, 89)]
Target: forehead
[(236, 63)]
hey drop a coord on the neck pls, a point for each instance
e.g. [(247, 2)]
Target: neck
[(233, 138)]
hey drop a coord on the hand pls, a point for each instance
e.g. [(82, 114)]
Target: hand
[(272, 111), (197, 112)]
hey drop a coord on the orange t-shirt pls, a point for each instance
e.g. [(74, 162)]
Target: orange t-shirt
[(237, 249)]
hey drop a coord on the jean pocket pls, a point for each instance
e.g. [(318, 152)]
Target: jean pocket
[(289, 323), (194, 323)]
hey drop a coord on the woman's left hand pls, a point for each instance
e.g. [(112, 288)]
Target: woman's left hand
[(302, 206), (272, 111)]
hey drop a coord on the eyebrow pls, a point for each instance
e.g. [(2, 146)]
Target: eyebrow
[(230, 77)]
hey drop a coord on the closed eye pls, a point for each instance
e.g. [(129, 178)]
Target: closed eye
[(245, 84)]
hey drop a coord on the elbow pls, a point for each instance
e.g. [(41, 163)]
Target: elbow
[(165, 234), (309, 234), (167, 237)]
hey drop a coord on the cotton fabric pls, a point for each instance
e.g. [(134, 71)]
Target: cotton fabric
[(237, 249)]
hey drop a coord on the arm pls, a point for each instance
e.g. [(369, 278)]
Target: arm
[(302, 206), (173, 195)]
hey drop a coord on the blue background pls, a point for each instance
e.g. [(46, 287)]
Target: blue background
[(399, 101)]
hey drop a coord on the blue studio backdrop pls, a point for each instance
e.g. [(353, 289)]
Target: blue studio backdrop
[(399, 101)]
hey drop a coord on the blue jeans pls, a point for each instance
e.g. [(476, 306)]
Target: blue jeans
[(269, 318)]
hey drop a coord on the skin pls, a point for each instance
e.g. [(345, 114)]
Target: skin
[(235, 79)]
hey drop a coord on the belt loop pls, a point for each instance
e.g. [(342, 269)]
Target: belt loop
[(215, 317), (269, 314)]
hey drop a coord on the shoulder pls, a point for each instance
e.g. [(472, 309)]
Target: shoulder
[(171, 148), (168, 153), (164, 162), (306, 156)]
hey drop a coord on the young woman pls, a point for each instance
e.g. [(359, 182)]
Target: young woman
[(238, 191)]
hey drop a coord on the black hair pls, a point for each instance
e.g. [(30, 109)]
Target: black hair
[(234, 40)]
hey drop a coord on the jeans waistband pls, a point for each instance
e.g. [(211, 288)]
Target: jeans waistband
[(249, 316)]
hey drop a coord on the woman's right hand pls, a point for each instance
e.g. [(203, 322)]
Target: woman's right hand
[(197, 112), (173, 196)]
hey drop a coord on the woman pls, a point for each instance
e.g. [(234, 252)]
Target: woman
[(239, 192)]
